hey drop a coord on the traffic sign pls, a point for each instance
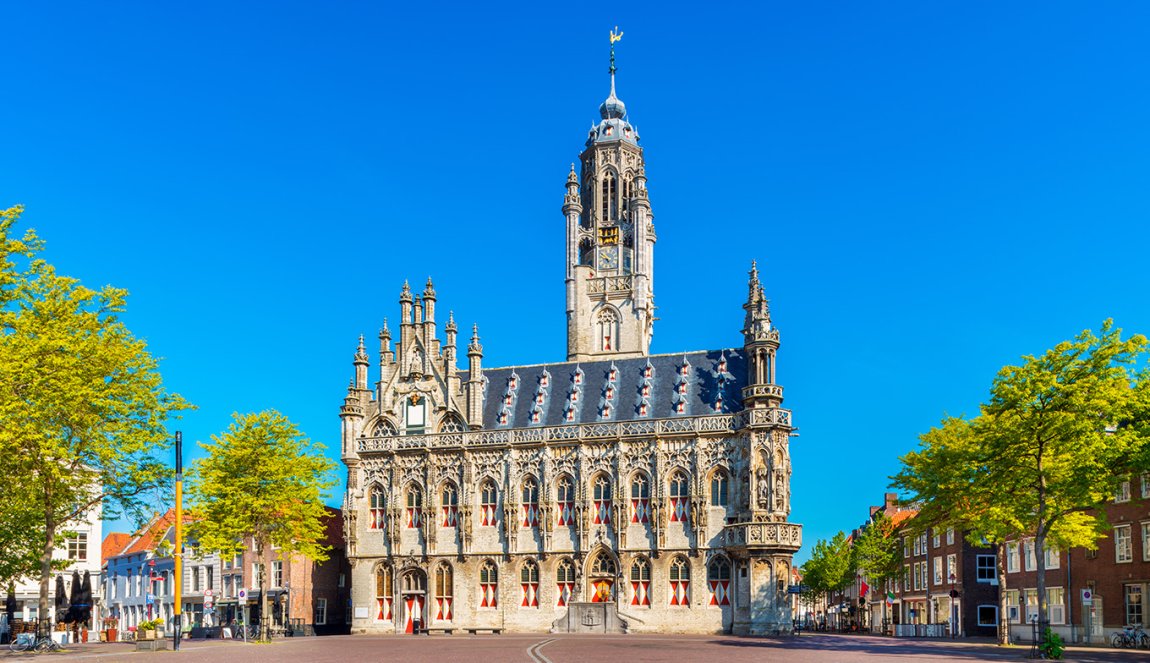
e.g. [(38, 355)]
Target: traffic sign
[(207, 592), (1087, 597), (150, 599), (243, 594)]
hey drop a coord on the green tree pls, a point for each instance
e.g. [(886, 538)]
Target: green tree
[(878, 552), (261, 480), (831, 567), (1045, 455), (82, 407)]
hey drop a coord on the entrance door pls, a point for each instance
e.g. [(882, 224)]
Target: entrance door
[(414, 590), (602, 578), (413, 612)]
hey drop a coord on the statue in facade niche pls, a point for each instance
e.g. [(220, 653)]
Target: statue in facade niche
[(764, 488)]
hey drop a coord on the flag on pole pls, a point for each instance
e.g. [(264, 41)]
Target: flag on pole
[(863, 589), (890, 598)]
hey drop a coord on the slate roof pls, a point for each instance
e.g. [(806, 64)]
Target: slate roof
[(704, 382)]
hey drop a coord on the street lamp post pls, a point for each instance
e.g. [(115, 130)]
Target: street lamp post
[(953, 609)]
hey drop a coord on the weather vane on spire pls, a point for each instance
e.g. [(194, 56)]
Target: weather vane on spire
[(616, 35)]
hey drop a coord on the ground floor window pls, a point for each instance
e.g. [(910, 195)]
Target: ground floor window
[(1134, 604), (320, 612), (987, 615)]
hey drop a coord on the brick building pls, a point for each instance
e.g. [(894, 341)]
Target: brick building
[(946, 582), (1116, 575), (311, 597)]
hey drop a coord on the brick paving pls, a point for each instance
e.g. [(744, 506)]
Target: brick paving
[(562, 648)]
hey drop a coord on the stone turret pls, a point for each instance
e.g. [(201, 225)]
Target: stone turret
[(761, 344), (475, 380)]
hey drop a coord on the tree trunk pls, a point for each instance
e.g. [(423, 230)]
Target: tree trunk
[(46, 605), (1003, 608), (1040, 559)]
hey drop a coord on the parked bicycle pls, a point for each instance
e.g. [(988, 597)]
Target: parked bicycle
[(31, 642), (1130, 637)]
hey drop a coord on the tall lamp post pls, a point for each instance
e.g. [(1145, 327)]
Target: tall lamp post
[(953, 609), (179, 553)]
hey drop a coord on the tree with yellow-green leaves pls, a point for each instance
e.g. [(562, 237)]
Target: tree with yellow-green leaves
[(1046, 454), (263, 481), (82, 408)]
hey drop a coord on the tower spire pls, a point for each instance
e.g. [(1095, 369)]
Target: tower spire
[(616, 35)]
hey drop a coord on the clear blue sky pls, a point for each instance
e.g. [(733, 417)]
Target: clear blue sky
[(931, 189)]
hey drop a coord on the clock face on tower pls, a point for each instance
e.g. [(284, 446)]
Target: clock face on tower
[(609, 257)]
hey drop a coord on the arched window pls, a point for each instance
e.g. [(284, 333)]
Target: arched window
[(603, 572), (383, 594), (680, 502), (488, 585), (488, 501), (608, 328), (640, 499), (641, 583), (608, 202), (377, 509), (443, 593), (384, 429), (450, 504), (564, 582), (680, 582), (529, 579), (719, 581), (565, 500), (720, 485), (414, 507), (530, 502), (451, 423), (601, 495)]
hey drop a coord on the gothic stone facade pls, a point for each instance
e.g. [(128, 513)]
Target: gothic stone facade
[(497, 497)]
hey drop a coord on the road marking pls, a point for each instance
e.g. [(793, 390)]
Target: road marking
[(536, 655)]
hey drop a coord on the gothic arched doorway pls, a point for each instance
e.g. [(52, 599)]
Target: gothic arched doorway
[(601, 574), (413, 589)]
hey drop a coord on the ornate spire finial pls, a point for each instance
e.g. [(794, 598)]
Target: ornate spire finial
[(429, 290), (405, 294), (616, 35), (384, 332), (475, 347), (450, 322), (572, 178), (361, 352)]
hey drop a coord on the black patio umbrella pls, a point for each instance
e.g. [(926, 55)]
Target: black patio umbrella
[(61, 602), (85, 615), (74, 599)]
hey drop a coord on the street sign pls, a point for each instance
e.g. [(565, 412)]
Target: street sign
[(207, 592), (243, 594), (798, 589), (1087, 597), (150, 599)]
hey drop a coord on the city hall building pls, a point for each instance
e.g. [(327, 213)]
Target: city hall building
[(614, 491)]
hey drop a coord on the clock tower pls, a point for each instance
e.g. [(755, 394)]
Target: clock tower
[(610, 241)]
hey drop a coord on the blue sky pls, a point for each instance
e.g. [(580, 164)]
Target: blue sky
[(931, 189)]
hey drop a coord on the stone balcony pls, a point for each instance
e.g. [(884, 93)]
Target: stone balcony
[(763, 391), (763, 537)]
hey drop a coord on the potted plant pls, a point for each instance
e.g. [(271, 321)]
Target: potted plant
[(147, 629), (111, 629)]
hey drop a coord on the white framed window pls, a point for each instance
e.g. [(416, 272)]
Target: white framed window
[(320, 612), (1145, 486), (1056, 605), (1123, 494), (987, 615), (917, 546), (78, 547), (257, 575), (952, 567), (905, 547), (938, 571), (1012, 558), (984, 568), (1122, 547), (1031, 598), (1146, 541), (906, 576), (937, 539), (950, 536), (277, 574), (1028, 551), (1053, 558), (1012, 606), (917, 576)]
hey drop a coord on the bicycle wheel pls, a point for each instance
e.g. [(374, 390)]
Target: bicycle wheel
[(1116, 640), (1144, 641)]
